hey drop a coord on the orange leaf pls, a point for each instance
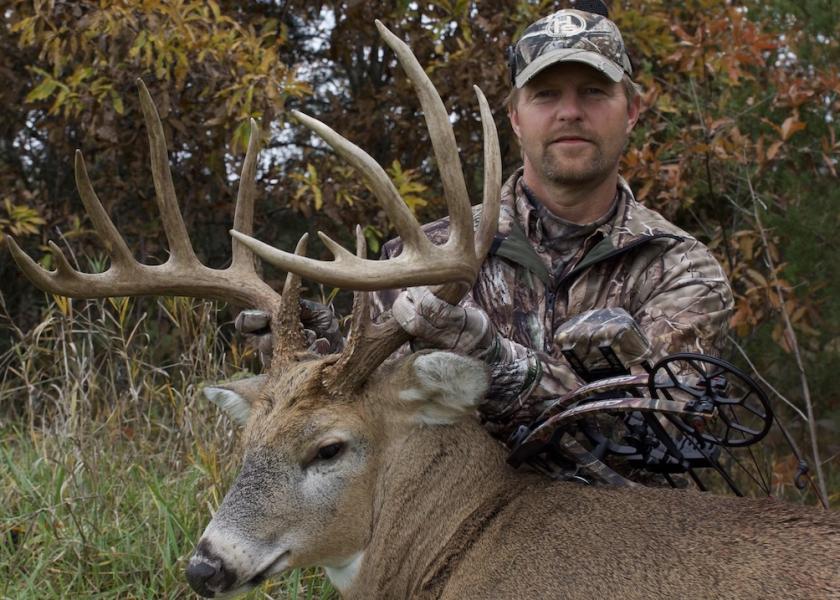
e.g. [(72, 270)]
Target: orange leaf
[(773, 150), (791, 125), (643, 193)]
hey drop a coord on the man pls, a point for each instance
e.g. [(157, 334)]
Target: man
[(574, 247), (572, 239)]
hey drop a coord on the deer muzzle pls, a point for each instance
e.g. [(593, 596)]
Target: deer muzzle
[(207, 573), (219, 569)]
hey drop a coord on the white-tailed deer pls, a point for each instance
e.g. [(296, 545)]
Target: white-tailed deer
[(375, 470)]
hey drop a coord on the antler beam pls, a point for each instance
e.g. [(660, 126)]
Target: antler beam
[(182, 274)]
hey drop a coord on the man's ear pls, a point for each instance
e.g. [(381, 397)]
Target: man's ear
[(634, 109), (442, 387), (236, 397), (513, 117)]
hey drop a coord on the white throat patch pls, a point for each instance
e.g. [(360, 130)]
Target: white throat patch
[(343, 576)]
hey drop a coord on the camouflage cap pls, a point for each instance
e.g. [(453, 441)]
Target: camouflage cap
[(570, 36)]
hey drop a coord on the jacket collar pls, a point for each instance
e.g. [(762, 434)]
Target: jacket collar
[(630, 224)]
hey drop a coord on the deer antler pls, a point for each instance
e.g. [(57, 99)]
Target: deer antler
[(421, 262), (455, 264), (182, 274)]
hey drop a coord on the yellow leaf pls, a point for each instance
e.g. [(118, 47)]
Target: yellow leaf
[(117, 102), (64, 304), (42, 91), (217, 13)]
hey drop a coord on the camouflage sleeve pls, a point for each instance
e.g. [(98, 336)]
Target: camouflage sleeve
[(684, 303), (687, 302), (524, 378), (515, 370), (522, 383)]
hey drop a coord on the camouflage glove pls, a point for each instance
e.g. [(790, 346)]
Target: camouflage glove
[(320, 326), (433, 323), (514, 369)]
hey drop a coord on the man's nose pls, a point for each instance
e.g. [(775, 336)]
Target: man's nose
[(568, 108)]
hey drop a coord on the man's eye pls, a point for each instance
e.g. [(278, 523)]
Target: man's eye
[(594, 91), (329, 451)]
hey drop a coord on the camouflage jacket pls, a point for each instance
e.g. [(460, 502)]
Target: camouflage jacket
[(664, 278)]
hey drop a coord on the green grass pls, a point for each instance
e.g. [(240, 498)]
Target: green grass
[(111, 461)]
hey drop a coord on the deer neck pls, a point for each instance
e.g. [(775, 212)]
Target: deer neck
[(435, 483)]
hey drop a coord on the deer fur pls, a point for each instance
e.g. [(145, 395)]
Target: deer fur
[(421, 504)]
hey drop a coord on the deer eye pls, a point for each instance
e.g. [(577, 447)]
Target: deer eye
[(329, 451)]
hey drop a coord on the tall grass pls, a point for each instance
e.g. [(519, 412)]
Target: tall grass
[(111, 461)]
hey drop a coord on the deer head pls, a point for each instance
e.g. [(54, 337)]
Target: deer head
[(316, 429)]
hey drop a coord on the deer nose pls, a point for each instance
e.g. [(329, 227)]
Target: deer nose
[(208, 576)]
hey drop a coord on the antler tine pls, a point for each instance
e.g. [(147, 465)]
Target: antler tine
[(360, 315), (443, 143), (453, 292), (368, 343), (243, 217), (383, 188), (360, 321), (117, 248), (492, 180), (57, 282), (173, 224), (286, 329)]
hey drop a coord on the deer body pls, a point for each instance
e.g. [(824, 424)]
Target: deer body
[(487, 531), (434, 511)]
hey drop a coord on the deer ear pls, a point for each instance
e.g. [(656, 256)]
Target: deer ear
[(236, 397), (445, 386)]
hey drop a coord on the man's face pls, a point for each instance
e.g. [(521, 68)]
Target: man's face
[(572, 124)]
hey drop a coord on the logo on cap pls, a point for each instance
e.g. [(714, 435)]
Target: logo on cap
[(566, 25)]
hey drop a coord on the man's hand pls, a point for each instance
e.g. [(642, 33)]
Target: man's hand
[(320, 326), (254, 325), (513, 368), (433, 323)]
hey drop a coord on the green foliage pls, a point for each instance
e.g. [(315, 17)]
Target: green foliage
[(408, 186)]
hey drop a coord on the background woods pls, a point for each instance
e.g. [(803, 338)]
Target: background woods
[(738, 143)]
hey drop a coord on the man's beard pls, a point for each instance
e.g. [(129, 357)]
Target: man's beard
[(563, 172)]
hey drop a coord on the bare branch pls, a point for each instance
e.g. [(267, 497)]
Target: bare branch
[(794, 343)]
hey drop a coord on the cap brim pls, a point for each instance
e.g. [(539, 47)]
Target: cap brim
[(597, 61)]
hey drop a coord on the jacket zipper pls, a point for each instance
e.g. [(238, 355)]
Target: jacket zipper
[(554, 290)]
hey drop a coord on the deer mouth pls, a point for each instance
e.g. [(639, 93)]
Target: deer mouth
[(277, 566)]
